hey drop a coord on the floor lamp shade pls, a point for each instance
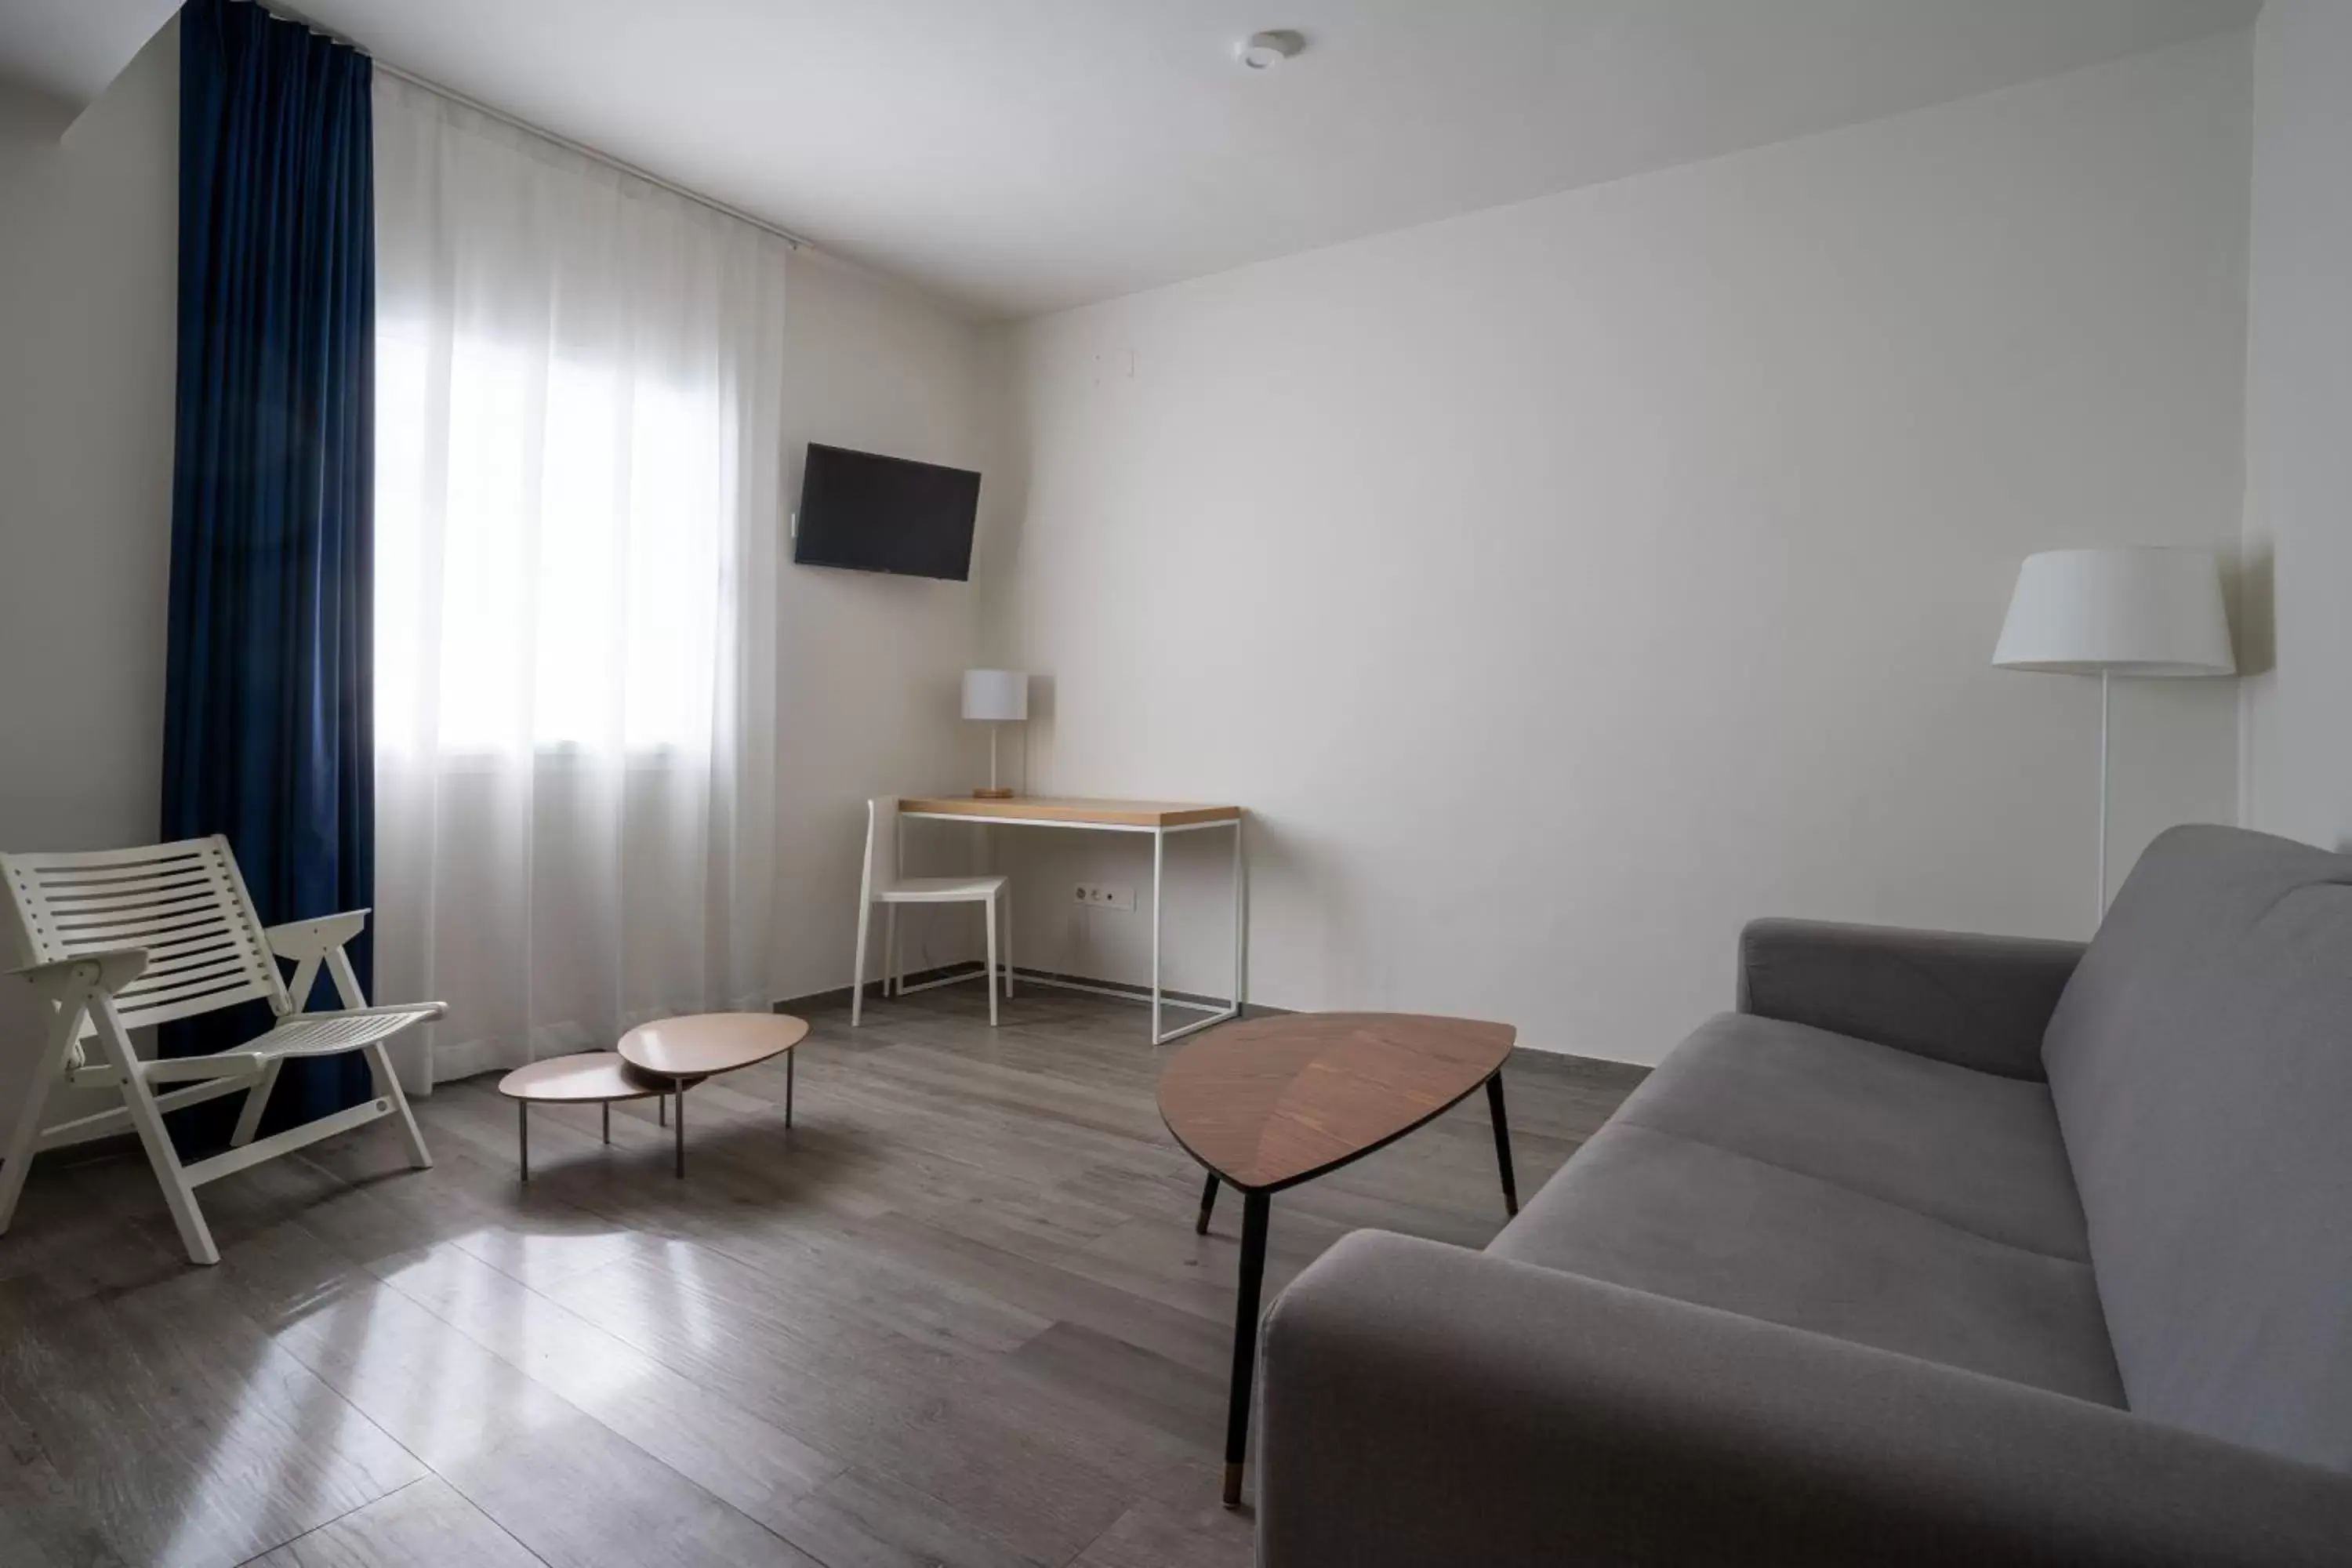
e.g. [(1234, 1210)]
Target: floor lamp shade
[(995, 694), (2139, 611)]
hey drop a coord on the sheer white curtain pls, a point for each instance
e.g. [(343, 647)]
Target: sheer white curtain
[(577, 511)]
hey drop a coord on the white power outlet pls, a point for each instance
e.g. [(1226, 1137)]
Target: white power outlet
[(1105, 896)]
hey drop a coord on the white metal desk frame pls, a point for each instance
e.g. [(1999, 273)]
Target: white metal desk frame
[(1216, 1014)]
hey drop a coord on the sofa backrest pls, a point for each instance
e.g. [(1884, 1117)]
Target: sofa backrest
[(2201, 1060)]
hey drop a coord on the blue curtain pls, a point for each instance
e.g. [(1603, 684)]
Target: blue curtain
[(268, 717)]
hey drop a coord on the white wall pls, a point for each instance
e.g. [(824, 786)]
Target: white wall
[(871, 665), (87, 280), (2298, 697), (1563, 584)]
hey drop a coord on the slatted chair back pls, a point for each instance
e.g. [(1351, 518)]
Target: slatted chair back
[(185, 904)]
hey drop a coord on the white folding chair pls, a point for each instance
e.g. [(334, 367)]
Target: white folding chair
[(883, 885), (122, 938)]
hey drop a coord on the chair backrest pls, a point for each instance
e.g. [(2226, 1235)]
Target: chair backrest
[(183, 903), (881, 872), (2202, 1063)]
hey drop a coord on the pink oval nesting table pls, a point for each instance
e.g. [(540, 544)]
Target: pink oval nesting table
[(591, 1078), (681, 1052), (661, 1060)]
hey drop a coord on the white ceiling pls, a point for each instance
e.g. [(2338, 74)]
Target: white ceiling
[(67, 51), (1022, 155)]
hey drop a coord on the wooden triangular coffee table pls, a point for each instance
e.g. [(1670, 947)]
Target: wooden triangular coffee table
[(1272, 1103)]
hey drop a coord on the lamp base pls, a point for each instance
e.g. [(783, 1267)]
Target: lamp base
[(991, 792)]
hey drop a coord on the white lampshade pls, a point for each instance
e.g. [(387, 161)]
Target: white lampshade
[(995, 694), (2140, 610)]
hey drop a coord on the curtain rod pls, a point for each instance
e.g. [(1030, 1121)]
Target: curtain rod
[(798, 242)]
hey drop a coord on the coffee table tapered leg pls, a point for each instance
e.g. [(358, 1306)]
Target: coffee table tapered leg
[(522, 1137), (792, 1058), (1254, 1207), (1208, 1202), (680, 1122), (1502, 1140)]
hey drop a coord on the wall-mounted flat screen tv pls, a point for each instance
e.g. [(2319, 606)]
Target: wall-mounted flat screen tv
[(872, 514)]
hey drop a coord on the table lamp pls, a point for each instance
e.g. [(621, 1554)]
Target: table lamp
[(998, 695), (2135, 611)]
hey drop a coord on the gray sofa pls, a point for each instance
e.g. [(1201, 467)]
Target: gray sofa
[(1941, 1249)]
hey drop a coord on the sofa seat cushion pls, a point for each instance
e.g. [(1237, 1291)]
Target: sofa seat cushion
[(1981, 1152), (1795, 1177)]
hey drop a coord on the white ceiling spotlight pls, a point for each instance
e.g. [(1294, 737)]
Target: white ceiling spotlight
[(1264, 51)]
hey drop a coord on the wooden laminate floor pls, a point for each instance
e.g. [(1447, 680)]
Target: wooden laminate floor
[(956, 1315)]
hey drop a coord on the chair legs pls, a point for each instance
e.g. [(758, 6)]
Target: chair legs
[(179, 1197), (179, 1193), (143, 1110), (387, 1087), (857, 973), (27, 1135), (989, 976), (257, 1099), (383, 1084), (998, 974)]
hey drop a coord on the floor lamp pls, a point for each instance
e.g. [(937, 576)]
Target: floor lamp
[(2138, 611)]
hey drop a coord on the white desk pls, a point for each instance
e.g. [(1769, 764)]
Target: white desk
[(1155, 817)]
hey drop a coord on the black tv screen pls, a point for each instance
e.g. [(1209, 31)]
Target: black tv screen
[(872, 514)]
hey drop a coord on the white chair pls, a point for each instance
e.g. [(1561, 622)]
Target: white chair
[(883, 885), (123, 938)]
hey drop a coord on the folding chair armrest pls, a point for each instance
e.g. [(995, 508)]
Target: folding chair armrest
[(108, 971), (299, 940)]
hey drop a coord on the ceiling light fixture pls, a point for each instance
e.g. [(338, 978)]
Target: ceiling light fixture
[(1264, 51)]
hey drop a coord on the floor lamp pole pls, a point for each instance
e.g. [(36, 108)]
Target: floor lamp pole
[(2099, 909)]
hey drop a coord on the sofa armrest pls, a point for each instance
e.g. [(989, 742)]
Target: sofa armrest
[(1979, 1002), (1425, 1403)]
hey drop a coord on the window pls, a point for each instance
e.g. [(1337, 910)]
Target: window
[(547, 551)]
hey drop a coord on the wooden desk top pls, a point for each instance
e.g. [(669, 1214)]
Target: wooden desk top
[(1271, 1102), (1082, 813)]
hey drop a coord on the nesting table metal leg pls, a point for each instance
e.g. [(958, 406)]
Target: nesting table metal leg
[(1208, 1202), (522, 1137)]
